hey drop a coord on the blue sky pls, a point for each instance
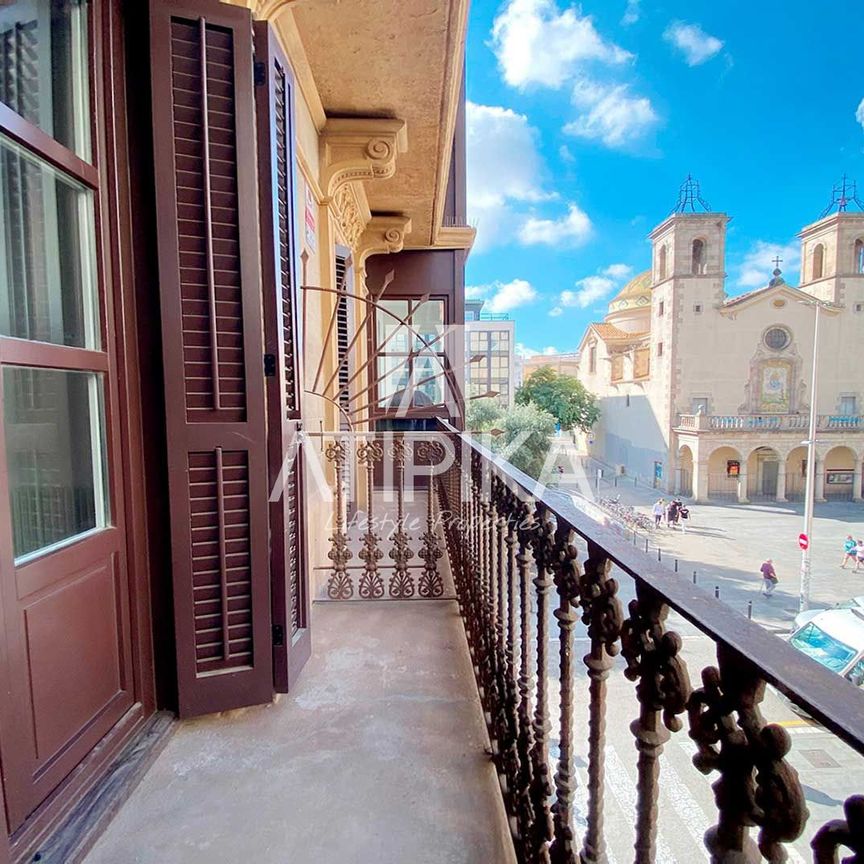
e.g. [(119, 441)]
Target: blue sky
[(584, 119)]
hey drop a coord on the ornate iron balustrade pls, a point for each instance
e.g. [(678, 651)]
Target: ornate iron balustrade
[(514, 555), (353, 457), (768, 422)]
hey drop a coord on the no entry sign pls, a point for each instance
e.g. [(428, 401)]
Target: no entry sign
[(803, 541)]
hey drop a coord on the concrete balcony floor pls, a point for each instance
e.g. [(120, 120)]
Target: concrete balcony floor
[(376, 756)]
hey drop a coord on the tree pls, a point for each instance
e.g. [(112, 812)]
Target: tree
[(563, 396), (520, 434), (482, 414)]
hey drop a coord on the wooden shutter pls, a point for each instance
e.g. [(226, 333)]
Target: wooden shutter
[(275, 106), (210, 294), (342, 326)]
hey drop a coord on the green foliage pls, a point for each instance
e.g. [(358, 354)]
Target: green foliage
[(482, 415), (525, 439), (563, 396), (520, 434)]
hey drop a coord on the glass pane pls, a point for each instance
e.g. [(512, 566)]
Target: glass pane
[(427, 380), (43, 67), (55, 454), (47, 256), (393, 372), (391, 337), (428, 322)]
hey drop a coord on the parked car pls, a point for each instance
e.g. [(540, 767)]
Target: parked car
[(835, 638), (803, 617)]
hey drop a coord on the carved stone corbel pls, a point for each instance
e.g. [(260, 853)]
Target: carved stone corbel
[(359, 148), (383, 235)]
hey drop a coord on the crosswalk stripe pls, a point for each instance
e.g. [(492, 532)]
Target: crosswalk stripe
[(686, 806), (624, 791)]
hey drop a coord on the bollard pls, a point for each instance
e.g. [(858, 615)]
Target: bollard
[(694, 577), (646, 544), (658, 553), (616, 481), (676, 565), (716, 592), (750, 609)]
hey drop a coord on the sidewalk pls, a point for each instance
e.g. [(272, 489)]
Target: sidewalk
[(726, 543)]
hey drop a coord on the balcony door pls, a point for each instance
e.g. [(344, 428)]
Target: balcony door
[(63, 569)]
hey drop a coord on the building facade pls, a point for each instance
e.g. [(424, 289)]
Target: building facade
[(211, 215), (563, 364), (490, 355), (709, 395)]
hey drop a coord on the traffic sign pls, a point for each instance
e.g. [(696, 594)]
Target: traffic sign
[(803, 541)]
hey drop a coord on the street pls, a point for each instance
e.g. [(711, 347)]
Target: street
[(725, 546)]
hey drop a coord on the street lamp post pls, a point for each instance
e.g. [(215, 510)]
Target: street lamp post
[(810, 485)]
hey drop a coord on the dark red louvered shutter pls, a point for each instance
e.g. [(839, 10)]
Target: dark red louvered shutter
[(210, 294), (275, 105)]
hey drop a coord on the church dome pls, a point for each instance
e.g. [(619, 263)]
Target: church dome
[(630, 309), (636, 294)]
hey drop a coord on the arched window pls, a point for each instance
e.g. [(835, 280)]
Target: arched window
[(661, 264), (818, 261), (858, 261), (697, 266)]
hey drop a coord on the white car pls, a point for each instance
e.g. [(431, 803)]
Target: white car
[(803, 617), (834, 638)]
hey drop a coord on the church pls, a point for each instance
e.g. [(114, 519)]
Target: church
[(709, 396)]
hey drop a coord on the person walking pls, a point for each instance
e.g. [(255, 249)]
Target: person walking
[(769, 578), (684, 514), (672, 514), (849, 547), (658, 511), (859, 555)]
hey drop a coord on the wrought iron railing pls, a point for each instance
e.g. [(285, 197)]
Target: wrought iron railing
[(516, 551)]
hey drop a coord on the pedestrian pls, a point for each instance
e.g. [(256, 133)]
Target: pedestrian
[(859, 556), (659, 510), (769, 578), (672, 514), (684, 513), (849, 547)]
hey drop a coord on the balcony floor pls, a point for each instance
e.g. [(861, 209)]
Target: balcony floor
[(376, 756)]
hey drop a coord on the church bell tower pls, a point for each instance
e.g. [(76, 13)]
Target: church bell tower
[(832, 249)]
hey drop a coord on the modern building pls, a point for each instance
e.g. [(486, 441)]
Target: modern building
[(709, 395), (490, 358)]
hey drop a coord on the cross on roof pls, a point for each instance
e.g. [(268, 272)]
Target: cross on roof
[(777, 262)]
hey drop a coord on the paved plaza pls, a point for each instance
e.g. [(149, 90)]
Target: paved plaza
[(725, 546)]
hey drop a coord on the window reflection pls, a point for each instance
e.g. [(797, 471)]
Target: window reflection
[(43, 67), (53, 422), (47, 258)]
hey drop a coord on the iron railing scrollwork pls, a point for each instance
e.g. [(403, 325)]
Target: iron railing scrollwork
[(528, 565)]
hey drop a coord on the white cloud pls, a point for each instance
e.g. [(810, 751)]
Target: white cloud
[(589, 289), (617, 271), (572, 229), (476, 292), (757, 265), (505, 296), (610, 114), (592, 288), (565, 154), (536, 43), (522, 350), (631, 13), (504, 169), (859, 114), (693, 42)]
